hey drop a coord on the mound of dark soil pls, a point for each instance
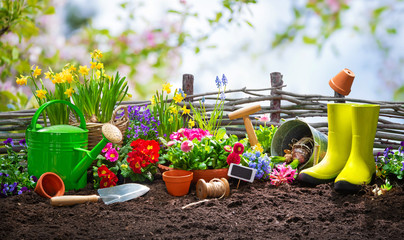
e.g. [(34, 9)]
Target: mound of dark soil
[(254, 211)]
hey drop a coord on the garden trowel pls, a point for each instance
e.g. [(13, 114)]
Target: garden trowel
[(110, 195)]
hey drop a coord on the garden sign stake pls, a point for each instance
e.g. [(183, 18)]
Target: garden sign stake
[(62, 149), (244, 113)]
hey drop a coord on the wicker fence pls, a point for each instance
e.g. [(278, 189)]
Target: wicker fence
[(280, 104)]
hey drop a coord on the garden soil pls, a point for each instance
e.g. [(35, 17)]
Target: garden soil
[(253, 211)]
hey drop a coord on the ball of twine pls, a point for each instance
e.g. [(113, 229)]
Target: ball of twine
[(215, 188)]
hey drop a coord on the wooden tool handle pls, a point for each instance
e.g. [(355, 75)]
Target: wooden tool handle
[(74, 199), (245, 111)]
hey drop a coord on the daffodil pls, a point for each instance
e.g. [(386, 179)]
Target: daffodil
[(67, 76), (59, 78), (93, 65), (191, 123), (171, 119), (41, 93), (152, 101), (167, 87), (98, 74), (48, 75), (22, 80), (185, 110), (100, 66), (69, 92), (96, 54), (173, 109), (37, 71), (258, 148), (72, 68), (129, 95), (178, 98), (83, 70)]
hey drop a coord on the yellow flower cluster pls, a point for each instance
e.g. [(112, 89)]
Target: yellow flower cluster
[(179, 97), (62, 77), (22, 80), (258, 147), (41, 93), (96, 54)]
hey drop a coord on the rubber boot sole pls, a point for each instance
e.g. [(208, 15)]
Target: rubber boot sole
[(347, 187), (306, 178)]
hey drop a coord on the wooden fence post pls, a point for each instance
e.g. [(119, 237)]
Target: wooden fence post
[(188, 85), (188, 88), (276, 81)]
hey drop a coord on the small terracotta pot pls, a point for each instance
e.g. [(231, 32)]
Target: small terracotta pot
[(342, 82), (209, 174), (177, 182), (50, 185)]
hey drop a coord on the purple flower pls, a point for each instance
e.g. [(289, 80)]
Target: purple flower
[(9, 141), (112, 155), (224, 80), (402, 168), (22, 142), (35, 179), (218, 82)]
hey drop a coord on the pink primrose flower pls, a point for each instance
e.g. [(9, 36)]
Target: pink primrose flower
[(264, 118), (187, 146), (112, 155), (170, 143), (107, 147)]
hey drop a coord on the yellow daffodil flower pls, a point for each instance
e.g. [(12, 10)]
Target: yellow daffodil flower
[(37, 71), (258, 147), (72, 68), (178, 98), (109, 77), (83, 70), (185, 110), (129, 95), (167, 87), (191, 123), (67, 76), (93, 65), (69, 92), (48, 75), (99, 66), (173, 109), (98, 74), (96, 54), (41, 93), (22, 80), (171, 119), (59, 78)]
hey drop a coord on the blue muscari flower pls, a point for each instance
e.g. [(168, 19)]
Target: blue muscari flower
[(181, 92), (218, 82), (203, 99), (222, 96), (257, 154), (224, 80)]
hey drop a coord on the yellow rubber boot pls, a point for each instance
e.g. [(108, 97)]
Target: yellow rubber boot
[(360, 166), (338, 148)]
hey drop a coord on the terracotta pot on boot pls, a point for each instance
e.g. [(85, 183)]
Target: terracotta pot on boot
[(360, 166), (342, 82), (338, 149), (50, 185)]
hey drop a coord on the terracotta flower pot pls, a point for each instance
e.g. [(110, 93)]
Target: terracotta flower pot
[(177, 182), (209, 174), (342, 82), (50, 185)]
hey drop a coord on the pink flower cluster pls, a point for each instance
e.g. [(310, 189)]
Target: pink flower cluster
[(234, 157), (111, 153), (190, 134), (282, 174)]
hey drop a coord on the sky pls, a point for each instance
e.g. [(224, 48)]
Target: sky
[(305, 70)]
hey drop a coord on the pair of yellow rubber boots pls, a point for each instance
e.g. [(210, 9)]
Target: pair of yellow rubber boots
[(349, 158)]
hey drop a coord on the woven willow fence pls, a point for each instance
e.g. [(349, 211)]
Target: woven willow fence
[(279, 104)]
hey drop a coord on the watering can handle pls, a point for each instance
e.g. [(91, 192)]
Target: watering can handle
[(45, 105)]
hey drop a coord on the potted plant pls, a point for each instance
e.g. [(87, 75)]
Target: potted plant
[(197, 151)]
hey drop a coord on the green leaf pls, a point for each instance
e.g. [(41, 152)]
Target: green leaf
[(391, 31), (378, 11), (249, 23), (309, 40), (49, 11), (399, 94), (15, 53), (218, 16)]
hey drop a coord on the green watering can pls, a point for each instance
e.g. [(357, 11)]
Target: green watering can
[(62, 149)]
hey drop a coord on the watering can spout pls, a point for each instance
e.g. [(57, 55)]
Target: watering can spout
[(110, 134)]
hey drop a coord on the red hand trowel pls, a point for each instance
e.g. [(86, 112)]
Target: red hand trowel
[(110, 195)]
